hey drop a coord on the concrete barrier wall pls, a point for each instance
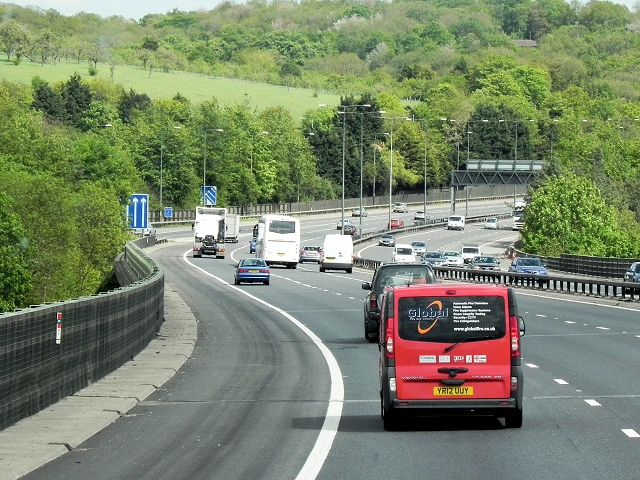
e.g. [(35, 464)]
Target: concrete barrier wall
[(51, 351)]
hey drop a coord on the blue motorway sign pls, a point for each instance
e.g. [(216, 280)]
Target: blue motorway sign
[(168, 212), (210, 195), (138, 211)]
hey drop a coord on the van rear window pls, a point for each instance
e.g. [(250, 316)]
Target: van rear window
[(451, 319)]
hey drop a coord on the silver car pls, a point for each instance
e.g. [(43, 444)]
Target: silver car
[(453, 259)]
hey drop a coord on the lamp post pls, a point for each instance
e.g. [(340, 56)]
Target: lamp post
[(344, 155), (393, 119), (204, 162), (177, 127)]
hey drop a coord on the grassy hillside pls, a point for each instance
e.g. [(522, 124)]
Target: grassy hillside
[(195, 87)]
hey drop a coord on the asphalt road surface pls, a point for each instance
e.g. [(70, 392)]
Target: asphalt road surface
[(252, 401)]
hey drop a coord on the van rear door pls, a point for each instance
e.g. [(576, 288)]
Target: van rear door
[(453, 345)]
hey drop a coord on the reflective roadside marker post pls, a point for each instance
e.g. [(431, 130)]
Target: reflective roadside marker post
[(58, 328)]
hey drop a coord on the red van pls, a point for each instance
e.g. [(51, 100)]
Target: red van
[(450, 349)]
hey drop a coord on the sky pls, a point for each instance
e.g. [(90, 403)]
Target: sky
[(123, 8), (136, 9)]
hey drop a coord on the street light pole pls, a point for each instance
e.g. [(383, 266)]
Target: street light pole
[(344, 156), (204, 162)]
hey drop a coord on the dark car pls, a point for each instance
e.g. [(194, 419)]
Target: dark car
[(350, 229), (387, 240), (528, 265), (310, 254), (252, 270), (387, 275), (484, 263), (252, 246), (434, 258)]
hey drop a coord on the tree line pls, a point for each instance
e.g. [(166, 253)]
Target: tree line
[(72, 152)]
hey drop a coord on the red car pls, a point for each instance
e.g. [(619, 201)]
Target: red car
[(396, 223)]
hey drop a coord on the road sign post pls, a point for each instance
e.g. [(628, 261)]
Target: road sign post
[(210, 194), (138, 211)]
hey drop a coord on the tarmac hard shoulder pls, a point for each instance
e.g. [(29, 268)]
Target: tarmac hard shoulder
[(63, 426)]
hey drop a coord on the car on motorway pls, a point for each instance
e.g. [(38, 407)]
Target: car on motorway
[(387, 240), (310, 253), (252, 270), (387, 275), (453, 259), (491, 223), (359, 212), (528, 265), (350, 229), (400, 207), (341, 224), (419, 247), (483, 262), (455, 222), (434, 258), (403, 253), (395, 223), (633, 273), (420, 215), (252, 245)]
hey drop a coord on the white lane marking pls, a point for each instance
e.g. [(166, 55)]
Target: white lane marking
[(593, 403), (582, 302), (603, 328), (531, 365), (631, 433), (541, 316), (329, 429), (560, 381), (570, 322)]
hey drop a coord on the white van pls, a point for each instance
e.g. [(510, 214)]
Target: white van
[(455, 222), (403, 253), (337, 253)]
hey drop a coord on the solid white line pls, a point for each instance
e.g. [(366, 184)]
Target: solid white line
[(630, 432), (593, 403), (603, 328), (323, 444), (560, 381)]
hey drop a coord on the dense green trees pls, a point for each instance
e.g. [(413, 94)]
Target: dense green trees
[(448, 75)]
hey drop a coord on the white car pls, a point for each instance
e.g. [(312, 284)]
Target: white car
[(491, 223), (420, 215), (358, 212), (400, 207), (403, 252), (453, 259), (419, 247), (455, 222)]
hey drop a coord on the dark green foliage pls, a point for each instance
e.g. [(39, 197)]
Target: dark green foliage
[(76, 98), (130, 102), (47, 100)]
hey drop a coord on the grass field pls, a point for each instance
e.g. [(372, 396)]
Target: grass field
[(196, 88)]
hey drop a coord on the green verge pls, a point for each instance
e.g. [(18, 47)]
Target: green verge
[(196, 88)]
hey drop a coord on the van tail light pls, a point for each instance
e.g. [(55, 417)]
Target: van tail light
[(373, 301), (514, 330), (389, 339)]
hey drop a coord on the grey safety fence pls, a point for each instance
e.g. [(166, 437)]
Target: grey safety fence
[(50, 351)]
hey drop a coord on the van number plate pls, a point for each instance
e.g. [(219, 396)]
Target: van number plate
[(452, 391)]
